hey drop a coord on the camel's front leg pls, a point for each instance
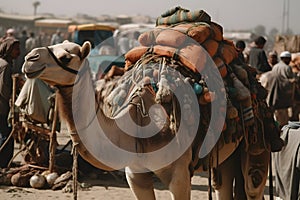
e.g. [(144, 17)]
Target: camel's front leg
[(141, 184), (177, 177)]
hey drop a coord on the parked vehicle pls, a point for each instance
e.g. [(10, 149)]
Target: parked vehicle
[(95, 33), (100, 62)]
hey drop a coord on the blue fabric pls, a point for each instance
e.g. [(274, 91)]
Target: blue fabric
[(292, 125)]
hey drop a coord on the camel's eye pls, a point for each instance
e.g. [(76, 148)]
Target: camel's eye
[(65, 60)]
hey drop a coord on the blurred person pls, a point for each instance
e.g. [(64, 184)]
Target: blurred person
[(240, 46), (31, 42), (134, 41), (9, 51), (20, 60), (257, 56), (123, 45), (295, 109), (280, 87), (107, 47), (11, 33), (43, 39), (56, 38), (272, 58), (295, 65)]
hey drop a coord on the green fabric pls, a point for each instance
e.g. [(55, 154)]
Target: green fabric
[(179, 15)]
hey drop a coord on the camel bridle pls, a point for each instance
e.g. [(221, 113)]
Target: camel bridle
[(64, 67)]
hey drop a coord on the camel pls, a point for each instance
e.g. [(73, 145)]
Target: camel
[(99, 137)]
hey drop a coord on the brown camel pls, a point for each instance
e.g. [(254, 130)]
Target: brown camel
[(110, 142)]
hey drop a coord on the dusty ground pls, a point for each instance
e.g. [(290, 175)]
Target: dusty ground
[(106, 190), (106, 187)]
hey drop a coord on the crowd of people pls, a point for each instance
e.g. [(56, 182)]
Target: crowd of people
[(276, 75), (13, 49), (30, 40)]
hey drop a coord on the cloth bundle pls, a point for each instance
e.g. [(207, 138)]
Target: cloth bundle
[(34, 100), (194, 40), (186, 39)]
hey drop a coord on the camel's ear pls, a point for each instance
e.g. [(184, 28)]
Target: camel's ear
[(85, 49)]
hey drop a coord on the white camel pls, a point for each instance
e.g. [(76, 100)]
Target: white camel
[(66, 67)]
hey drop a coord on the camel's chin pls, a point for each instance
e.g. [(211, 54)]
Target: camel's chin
[(34, 74)]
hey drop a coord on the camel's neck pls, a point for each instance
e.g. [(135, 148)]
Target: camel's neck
[(84, 115), (65, 107), (78, 106)]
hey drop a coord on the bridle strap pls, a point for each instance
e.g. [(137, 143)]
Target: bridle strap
[(79, 73), (73, 71)]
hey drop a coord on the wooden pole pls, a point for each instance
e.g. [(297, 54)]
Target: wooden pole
[(271, 191), (13, 99), (75, 170), (53, 138)]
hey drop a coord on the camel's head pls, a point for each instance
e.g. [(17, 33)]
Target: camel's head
[(57, 64)]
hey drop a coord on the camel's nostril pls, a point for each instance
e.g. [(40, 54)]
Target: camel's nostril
[(34, 57)]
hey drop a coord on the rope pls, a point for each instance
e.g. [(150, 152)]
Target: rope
[(140, 106), (271, 192), (209, 180), (53, 137), (75, 169), (12, 159)]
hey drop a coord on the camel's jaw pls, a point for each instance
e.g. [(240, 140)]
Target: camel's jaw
[(30, 73), (34, 74), (34, 65)]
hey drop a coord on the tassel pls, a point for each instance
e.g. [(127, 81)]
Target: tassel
[(207, 97), (241, 73), (232, 112), (242, 92), (163, 94)]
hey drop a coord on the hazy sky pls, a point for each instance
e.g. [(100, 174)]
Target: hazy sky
[(231, 14)]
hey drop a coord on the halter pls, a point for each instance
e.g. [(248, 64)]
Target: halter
[(65, 67), (79, 73)]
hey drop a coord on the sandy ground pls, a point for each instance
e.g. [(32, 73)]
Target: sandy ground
[(106, 187), (106, 190)]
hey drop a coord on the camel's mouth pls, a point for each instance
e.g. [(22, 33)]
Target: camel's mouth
[(35, 73)]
